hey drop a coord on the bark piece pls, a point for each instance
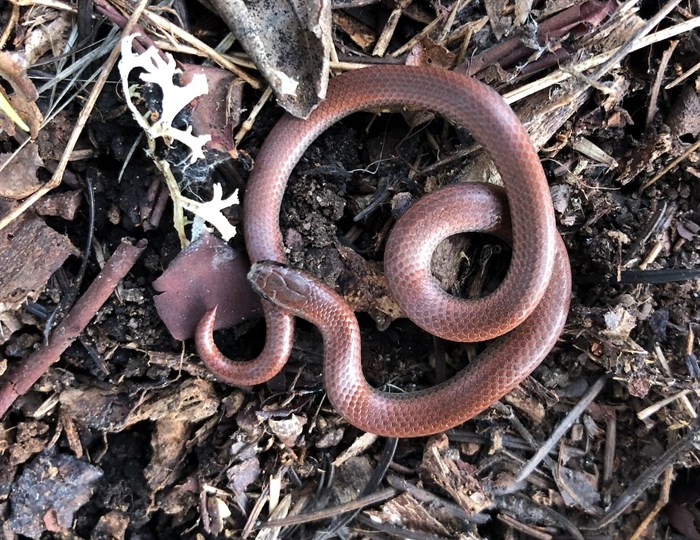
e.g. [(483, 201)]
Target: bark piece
[(30, 252), (454, 475), (684, 117), (64, 205), (407, 512), (19, 172), (50, 490)]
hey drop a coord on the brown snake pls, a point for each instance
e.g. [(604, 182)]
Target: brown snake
[(531, 303)]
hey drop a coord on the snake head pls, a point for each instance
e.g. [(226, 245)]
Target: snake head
[(280, 284)]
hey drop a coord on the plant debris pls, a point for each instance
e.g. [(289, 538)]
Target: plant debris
[(289, 43), (48, 493), (206, 274)]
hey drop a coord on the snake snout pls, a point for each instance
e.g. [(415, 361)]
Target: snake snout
[(284, 286)]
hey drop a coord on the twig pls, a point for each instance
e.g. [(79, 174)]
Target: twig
[(387, 33), (53, 4), (198, 44), (692, 148), (560, 76), (660, 504), (563, 426), (524, 433), (532, 532), (22, 376), (396, 532), (648, 477), (326, 513), (375, 480), (654, 96), (11, 22), (425, 496), (79, 124), (525, 506), (683, 77), (631, 43), (456, 8), (67, 301), (610, 444), (248, 124), (432, 25), (651, 409)]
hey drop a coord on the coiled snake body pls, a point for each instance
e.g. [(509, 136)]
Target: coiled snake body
[(530, 305)]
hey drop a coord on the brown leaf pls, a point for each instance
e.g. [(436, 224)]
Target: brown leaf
[(430, 53), (29, 112), (242, 474), (219, 111), (499, 24), (13, 68), (206, 274), (19, 172)]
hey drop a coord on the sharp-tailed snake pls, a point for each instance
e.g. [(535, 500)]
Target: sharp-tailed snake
[(530, 305)]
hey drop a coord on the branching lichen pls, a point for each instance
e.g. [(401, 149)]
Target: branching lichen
[(175, 98)]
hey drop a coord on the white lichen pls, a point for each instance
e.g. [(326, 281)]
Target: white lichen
[(211, 211), (175, 98)]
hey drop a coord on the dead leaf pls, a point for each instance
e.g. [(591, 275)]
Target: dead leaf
[(220, 111), (51, 35), (241, 475), (288, 430), (578, 488), (19, 172), (454, 475), (619, 323), (205, 274), (522, 11), (13, 68), (289, 43), (427, 52), (500, 24)]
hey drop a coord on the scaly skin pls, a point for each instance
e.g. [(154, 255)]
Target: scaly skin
[(537, 249)]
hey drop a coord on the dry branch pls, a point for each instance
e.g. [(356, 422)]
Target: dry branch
[(20, 379)]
